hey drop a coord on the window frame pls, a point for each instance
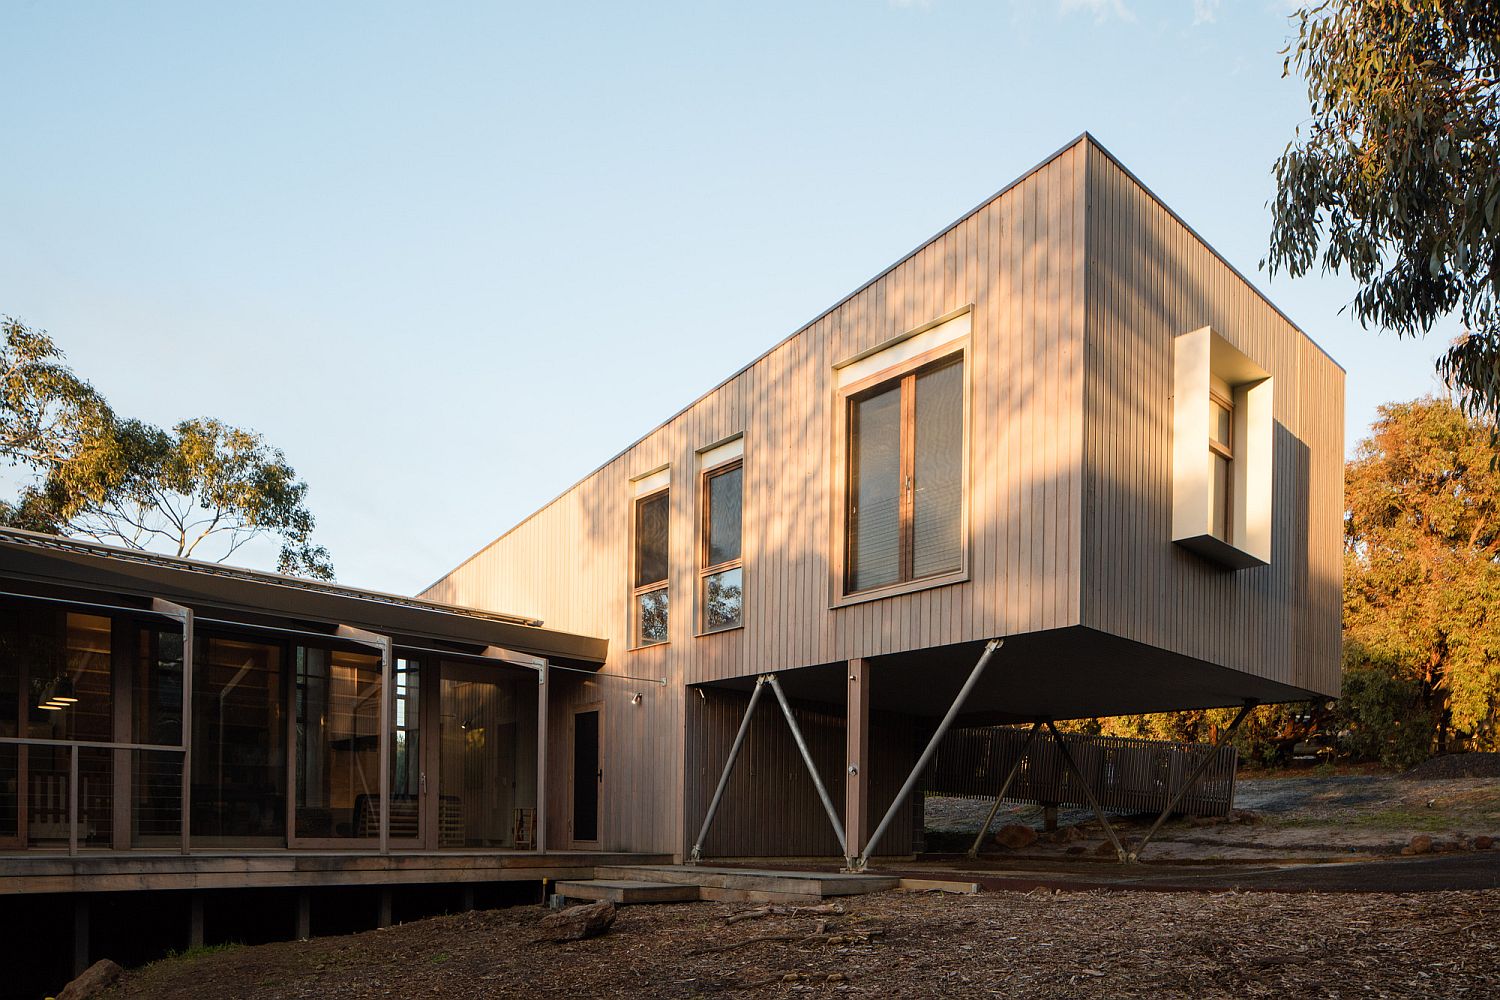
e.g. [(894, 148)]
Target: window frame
[(952, 352), (637, 592), (1226, 452), (705, 568)]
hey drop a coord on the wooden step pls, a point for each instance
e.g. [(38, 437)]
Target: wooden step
[(623, 892), (770, 885)]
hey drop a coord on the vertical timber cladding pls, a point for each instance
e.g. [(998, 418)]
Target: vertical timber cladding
[(1151, 279), (770, 808), (1018, 262)]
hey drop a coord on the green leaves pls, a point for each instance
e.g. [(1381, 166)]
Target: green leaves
[(1397, 179), (202, 487)]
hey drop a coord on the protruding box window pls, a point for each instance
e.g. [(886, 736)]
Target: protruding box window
[(1221, 493)]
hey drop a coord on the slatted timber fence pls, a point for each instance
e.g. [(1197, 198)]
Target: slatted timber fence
[(1125, 774)]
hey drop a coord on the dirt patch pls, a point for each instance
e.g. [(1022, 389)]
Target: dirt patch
[(1042, 944), (1458, 765)]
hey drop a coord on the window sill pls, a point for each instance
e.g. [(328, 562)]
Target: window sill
[(649, 645), (720, 631), (897, 589), (1215, 549)]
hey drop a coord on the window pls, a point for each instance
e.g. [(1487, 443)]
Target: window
[(904, 495), (649, 582), (721, 586), (1221, 500), (1221, 477)]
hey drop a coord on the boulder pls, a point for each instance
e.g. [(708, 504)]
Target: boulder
[(1105, 849), (1483, 843), (1420, 844), (1015, 836), (577, 922), (95, 980)]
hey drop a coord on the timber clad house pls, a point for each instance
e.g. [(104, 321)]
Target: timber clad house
[(1064, 422)]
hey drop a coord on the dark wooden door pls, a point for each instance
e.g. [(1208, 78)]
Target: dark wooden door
[(587, 776)]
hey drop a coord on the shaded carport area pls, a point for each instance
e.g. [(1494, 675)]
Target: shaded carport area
[(861, 728)]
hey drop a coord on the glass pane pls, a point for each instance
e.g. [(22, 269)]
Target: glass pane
[(48, 773), (406, 751), (874, 518), (938, 471), (725, 493), (96, 797), (1219, 497), (723, 598), (239, 744), (12, 649), (651, 617), (1221, 425), (488, 759), (10, 790), (338, 744), (69, 682), (158, 688), (651, 539), (156, 798)]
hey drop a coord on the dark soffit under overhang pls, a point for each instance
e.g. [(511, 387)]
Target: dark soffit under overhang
[(1067, 673)]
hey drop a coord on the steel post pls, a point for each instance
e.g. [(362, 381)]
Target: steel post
[(932, 745), (791, 720), (1192, 779), (734, 752), (1015, 769)]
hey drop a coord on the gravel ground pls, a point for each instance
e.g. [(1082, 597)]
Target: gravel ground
[(1043, 945)]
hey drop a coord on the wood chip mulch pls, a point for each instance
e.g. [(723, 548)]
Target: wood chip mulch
[(1043, 944)]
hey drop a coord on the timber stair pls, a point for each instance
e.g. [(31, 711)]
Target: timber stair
[(627, 884)]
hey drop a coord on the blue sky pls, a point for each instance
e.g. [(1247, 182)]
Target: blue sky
[(450, 257)]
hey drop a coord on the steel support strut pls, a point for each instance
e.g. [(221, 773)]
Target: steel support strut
[(926, 758), (791, 720), (734, 752), (1015, 769), (1192, 779), (1088, 793)]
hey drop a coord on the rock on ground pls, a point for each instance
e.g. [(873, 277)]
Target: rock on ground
[(95, 980), (1015, 836), (577, 922)]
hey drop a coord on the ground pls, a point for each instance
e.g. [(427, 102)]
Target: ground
[(1019, 945)]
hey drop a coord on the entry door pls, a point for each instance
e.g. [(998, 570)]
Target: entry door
[(587, 775)]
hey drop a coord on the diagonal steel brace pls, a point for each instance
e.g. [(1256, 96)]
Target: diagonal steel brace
[(1088, 793), (1015, 769)]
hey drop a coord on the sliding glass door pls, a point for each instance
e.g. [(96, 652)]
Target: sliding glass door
[(488, 757), (336, 758)]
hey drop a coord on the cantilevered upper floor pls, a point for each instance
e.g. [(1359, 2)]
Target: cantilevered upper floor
[(1064, 419)]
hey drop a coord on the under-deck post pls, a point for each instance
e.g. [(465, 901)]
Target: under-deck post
[(1192, 779), (195, 920), (812, 768), (304, 915), (1015, 769), (932, 745), (856, 754), (383, 917), (542, 697), (696, 854), (1088, 793), (466, 897), (80, 935)]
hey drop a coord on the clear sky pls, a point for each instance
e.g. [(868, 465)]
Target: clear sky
[(450, 257)]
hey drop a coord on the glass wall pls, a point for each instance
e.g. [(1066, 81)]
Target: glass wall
[(156, 717), (488, 732), (239, 744), (406, 750), (337, 760)]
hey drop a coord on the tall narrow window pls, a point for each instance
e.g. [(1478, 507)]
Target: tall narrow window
[(1221, 477), (722, 586), (650, 572), (904, 513)]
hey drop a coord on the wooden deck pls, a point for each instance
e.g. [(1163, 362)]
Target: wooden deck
[(144, 871)]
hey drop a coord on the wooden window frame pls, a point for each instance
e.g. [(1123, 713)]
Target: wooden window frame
[(952, 352), (707, 569), (1225, 451), (636, 593)]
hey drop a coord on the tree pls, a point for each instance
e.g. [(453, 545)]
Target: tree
[(1422, 579), (201, 487), (1397, 178)]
